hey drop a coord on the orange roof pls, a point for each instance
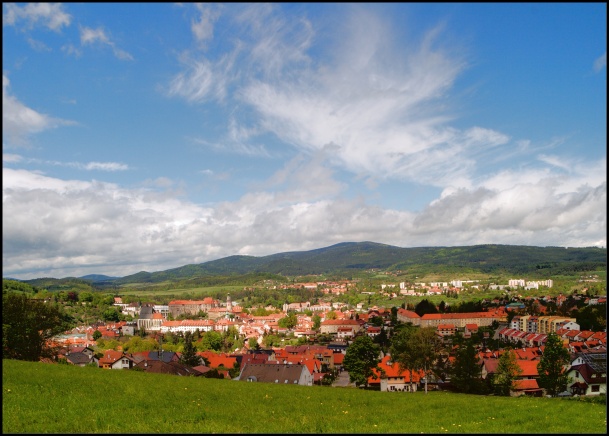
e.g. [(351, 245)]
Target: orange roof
[(218, 359), (529, 368), (393, 370), (526, 384)]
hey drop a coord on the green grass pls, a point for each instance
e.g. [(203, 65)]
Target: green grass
[(43, 398)]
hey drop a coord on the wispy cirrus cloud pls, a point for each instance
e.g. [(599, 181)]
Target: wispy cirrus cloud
[(89, 166), (89, 36)]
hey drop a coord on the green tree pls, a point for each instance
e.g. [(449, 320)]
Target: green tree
[(465, 373), (210, 341), (271, 340), (96, 335), (86, 297), (424, 307), (111, 314), (361, 357), (508, 371), (27, 325), (552, 366), (316, 321), (189, 352), (331, 315), (416, 349), (289, 321), (376, 321)]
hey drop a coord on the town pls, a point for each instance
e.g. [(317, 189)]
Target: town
[(306, 343)]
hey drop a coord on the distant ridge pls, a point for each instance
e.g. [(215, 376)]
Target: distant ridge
[(97, 277), (350, 257)]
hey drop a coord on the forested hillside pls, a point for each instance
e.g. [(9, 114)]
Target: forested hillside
[(349, 258)]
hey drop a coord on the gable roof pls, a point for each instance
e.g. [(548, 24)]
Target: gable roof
[(587, 372), (165, 356), (526, 385), (79, 358), (272, 373), (392, 370), (172, 368)]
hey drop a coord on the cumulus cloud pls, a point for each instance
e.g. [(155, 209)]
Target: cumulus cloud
[(50, 15), (129, 230), (19, 122)]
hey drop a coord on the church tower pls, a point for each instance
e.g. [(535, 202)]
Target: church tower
[(229, 305)]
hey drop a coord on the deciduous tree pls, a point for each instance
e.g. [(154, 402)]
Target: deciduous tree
[(508, 371), (27, 325), (361, 357), (552, 367), (416, 349)]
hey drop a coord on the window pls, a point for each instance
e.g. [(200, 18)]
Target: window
[(595, 388)]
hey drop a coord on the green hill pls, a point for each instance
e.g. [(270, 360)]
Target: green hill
[(350, 257), (47, 398)]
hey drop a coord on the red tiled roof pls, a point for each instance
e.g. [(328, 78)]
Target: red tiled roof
[(525, 385)]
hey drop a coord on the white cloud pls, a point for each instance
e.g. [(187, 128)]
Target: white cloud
[(203, 27), (106, 166), (19, 122), (11, 158), (129, 230), (600, 63), (91, 36), (50, 15), (38, 45), (94, 36)]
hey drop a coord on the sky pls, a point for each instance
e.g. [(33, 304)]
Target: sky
[(148, 136)]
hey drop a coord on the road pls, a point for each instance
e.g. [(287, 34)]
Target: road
[(343, 380)]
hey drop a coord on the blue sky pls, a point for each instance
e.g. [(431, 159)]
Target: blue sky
[(147, 136)]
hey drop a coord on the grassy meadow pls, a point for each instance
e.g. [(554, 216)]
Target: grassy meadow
[(44, 398)]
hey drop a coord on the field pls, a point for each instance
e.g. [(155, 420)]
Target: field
[(196, 292), (44, 398)]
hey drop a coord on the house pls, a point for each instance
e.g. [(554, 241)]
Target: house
[(116, 360), (525, 383), (389, 378), (276, 373), (171, 367), (338, 346), (332, 325), (446, 330), (219, 361), (589, 374), (81, 358), (373, 331), (587, 381), (344, 333), (254, 358)]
